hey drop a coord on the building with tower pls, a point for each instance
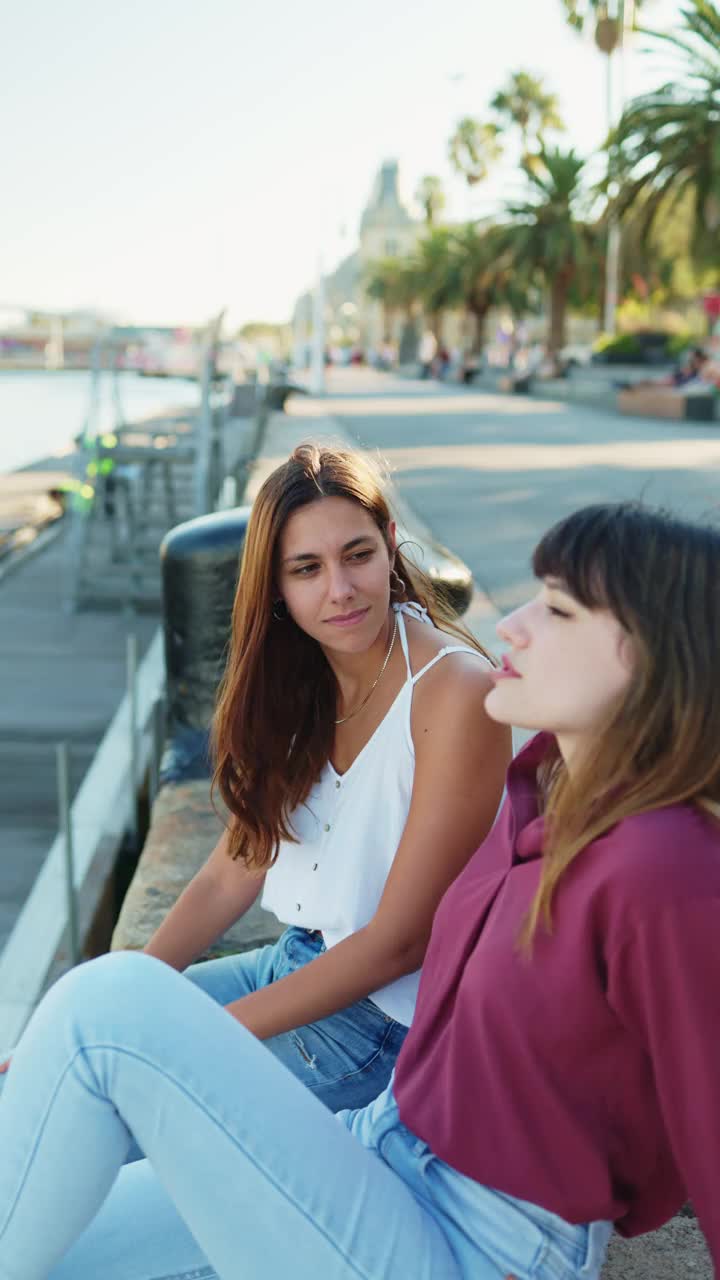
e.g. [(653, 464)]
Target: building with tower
[(387, 230)]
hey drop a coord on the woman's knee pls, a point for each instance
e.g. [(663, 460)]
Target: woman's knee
[(121, 979)]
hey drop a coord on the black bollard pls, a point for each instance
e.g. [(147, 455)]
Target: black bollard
[(200, 567), (449, 574)]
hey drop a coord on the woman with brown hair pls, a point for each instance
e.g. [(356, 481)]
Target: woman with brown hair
[(359, 770), (561, 1071)]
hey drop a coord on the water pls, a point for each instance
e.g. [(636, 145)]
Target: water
[(40, 412)]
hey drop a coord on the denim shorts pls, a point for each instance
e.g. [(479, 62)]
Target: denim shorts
[(346, 1059)]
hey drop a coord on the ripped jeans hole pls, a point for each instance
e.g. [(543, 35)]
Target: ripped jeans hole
[(309, 1059)]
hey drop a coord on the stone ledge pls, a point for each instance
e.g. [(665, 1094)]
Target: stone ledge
[(183, 830), (676, 1251)]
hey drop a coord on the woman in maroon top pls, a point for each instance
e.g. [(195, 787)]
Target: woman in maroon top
[(561, 1072)]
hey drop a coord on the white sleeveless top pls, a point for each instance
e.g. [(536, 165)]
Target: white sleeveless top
[(349, 829)]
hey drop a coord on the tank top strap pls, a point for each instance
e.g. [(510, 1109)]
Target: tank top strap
[(413, 610), (449, 648), (403, 640)]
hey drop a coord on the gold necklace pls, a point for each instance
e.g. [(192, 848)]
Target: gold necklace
[(373, 687)]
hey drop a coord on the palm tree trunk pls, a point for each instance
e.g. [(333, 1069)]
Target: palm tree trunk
[(479, 315), (408, 345), (558, 312)]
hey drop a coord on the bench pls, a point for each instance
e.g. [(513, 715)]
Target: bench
[(665, 402), (517, 383)]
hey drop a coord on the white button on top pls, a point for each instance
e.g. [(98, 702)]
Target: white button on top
[(326, 827), (337, 784)]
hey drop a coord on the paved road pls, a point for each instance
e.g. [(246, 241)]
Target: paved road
[(489, 473)]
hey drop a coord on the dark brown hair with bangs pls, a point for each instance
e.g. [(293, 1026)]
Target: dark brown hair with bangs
[(660, 577), (274, 722)]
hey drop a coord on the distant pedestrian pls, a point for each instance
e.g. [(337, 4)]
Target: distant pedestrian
[(689, 372), (441, 363), (427, 352)]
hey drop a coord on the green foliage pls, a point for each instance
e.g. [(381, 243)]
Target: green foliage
[(625, 345), (466, 266), (550, 239), (668, 141), (678, 343), (393, 282), (548, 235), (488, 274), (627, 348), (526, 104), (436, 270), (431, 196), (581, 13), (657, 262), (474, 148)]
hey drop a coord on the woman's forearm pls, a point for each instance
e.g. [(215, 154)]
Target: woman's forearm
[(347, 972), (204, 910)]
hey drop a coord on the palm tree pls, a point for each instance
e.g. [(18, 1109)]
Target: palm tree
[(548, 239), (431, 196), (657, 267), (668, 141), (435, 268), (393, 282), (488, 275), (474, 148), (524, 103), (608, 29)]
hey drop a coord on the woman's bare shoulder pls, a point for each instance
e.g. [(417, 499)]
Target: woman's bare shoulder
[(426, 641), (448, 704)]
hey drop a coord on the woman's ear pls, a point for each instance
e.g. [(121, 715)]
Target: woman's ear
[(392, 539), (626, 651)]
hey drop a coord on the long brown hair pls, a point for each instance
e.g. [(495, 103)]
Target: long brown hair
[(274, 721), (660, 578)]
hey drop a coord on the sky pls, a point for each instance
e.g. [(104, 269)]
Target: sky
[(163, 159)]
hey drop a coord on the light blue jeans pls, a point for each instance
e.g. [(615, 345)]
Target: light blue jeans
[(247, 1176), (346, 1059)]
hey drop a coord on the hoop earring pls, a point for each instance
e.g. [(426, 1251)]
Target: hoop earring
[(398, 586), (279, 610)]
